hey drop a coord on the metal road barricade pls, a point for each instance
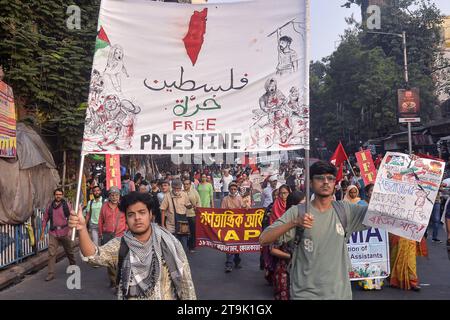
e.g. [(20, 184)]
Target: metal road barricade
[(20, 241)]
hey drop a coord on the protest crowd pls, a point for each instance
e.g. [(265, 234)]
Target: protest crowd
[(152, 190), (173, 196)]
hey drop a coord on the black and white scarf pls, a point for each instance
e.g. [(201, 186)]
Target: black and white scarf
[(141, 272)]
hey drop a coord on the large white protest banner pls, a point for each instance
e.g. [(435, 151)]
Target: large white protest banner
[(369, 254), (173, 78), (404, 194)]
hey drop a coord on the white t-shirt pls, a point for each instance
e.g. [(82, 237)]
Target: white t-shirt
[(226, 182)]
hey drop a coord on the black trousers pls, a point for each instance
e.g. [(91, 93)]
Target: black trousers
[(191, 240)]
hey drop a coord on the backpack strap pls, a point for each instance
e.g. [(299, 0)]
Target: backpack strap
[(50, 215), (66, 209), (123, 251), (299, 231), (340, 210)]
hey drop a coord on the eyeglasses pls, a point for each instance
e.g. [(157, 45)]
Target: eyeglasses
[(323, 178)]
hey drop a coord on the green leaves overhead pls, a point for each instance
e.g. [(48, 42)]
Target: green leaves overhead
[(354, 91), (49, 65)]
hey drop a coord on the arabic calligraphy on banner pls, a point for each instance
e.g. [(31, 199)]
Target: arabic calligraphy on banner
[(404, 194), (203, 80), (229, 230)]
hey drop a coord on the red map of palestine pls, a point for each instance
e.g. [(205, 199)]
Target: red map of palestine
[(193, 40)]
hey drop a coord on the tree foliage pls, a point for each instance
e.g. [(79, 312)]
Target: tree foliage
[(356, 96), (47, 64)]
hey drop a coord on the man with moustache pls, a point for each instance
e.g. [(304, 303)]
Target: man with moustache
[(111, 224), (93, 209), (320, 261), (232, 201), (57, 214), (173, 209), (151, 262)]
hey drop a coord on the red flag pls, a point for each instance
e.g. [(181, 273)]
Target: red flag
[(367, 167), (338, 159)]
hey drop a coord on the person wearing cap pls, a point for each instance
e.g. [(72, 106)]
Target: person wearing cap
[(175, 205), (267, 192), (232, 201), (111, 224)]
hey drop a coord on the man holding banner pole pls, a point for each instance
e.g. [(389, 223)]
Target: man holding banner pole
[(320, 260)]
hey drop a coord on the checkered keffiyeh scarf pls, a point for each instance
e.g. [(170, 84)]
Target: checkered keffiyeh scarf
[(143, 263)]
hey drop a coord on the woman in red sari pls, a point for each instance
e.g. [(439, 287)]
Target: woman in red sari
[(278, 209), (282, 254), (279, 206)]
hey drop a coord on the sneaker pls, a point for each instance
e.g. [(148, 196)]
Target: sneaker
[(237, 266), (436, 240), (228, 269), (416, 288), (448, 242)]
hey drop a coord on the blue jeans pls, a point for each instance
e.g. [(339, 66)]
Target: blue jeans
[(93, 230), (232, 258), (436, 219), (184, 240)]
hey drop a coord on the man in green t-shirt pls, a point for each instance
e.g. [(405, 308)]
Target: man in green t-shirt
[(320, 262), (93, 212)]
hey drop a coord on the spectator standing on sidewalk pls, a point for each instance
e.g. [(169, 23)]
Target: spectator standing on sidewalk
[(435, 218), (57, 214)]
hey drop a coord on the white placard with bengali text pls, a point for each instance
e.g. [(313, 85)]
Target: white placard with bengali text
[(404, 194)]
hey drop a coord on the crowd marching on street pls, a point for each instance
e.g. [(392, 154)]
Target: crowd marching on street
[(202, 167), (150, 224)]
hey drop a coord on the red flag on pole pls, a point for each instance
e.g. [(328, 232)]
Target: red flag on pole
[(338, 159)]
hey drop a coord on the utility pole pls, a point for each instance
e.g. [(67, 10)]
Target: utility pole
[(407, 87), (405, 67)]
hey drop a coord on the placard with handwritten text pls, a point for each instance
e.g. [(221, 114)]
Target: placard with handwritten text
[(404, 194)]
